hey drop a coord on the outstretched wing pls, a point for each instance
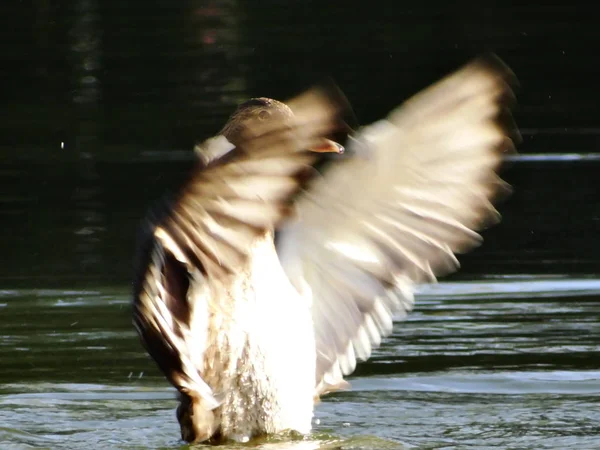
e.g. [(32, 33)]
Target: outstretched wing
[(413, 192), (204, 235)]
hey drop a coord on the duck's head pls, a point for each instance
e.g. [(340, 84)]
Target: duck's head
[(262, 109)]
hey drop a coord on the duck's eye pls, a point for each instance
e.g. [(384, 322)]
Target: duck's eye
[(264, 115)]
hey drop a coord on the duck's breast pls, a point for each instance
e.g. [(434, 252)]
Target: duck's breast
[(267, 339)]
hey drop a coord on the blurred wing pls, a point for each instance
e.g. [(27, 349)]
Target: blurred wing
[(415, 187), (166, 319), (204, 235)]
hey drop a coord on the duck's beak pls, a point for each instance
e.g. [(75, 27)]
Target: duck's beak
[(327, 146)]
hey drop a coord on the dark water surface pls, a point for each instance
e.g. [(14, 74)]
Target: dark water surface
[(75, 222), (508, 362)]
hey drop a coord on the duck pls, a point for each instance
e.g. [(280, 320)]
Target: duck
[(285, 258)]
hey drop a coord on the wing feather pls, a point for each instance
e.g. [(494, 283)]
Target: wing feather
[(414, 191)]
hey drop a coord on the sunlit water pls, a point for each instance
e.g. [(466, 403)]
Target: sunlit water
[(507, 363)]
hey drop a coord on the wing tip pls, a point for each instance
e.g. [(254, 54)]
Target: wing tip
[(330, 90), (328, 95), (491, 63)]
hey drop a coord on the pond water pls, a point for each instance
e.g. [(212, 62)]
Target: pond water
[(496, 362), (104, 102)]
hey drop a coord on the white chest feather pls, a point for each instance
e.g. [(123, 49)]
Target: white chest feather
[(261, 353)]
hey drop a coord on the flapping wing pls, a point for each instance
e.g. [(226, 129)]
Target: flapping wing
[(416, 187), (167, 319), (204, 235)]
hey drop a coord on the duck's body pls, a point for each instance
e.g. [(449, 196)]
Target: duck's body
[(262, 362), (252, 332), (259, 364)]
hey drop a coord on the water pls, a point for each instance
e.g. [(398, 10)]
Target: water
[(104, 102), (506, 362), (485, 361)]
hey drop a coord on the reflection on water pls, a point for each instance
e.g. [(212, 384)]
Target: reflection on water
[(74, 223), (508, 362)]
